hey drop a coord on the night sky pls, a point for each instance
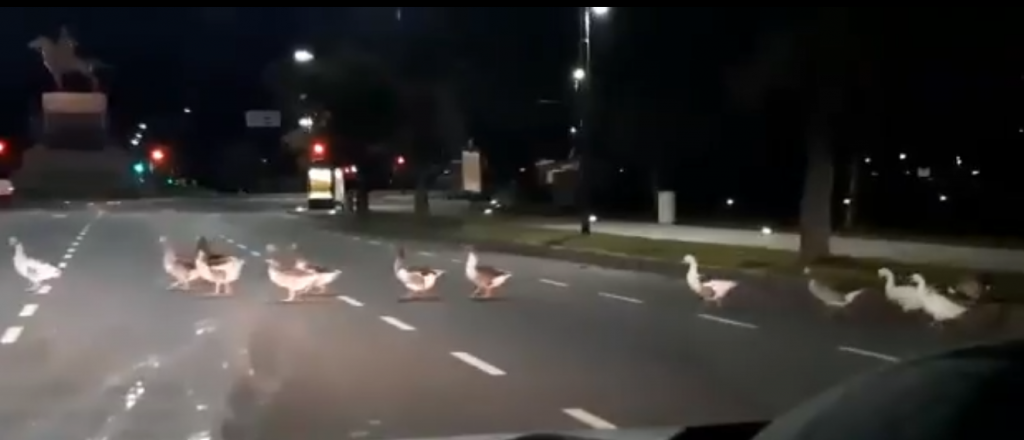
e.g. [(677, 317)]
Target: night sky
[(933, 83)]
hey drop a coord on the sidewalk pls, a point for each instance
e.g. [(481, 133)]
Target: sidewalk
[(975, 258)]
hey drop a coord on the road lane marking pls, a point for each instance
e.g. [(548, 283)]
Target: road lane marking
[(28, 310), (726, 321), (374, 242), (357, 238), (869, 353), (553, 282), (397, 323), (62, 265), (478, 363), (68, 255), (351, 301), (587, 418), (456, 261), (620, 297), (255, 254), (242, 247), (44, 289), (427, 254), (11, 335)]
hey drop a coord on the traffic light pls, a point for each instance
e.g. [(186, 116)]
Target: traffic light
[(319, 149), (400, 160), (157, 155), (3, 147), (138, 168)]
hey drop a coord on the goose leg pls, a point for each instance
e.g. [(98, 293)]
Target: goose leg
[(291, 296), (34, 286), (476, 292)]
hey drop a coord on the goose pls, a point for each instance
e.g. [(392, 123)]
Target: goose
[(295, 281), (938, 306), (973, 288), (325, 275), (221, 272), (485, 278), (34, 270), (418, 280), (711, 291), (908, 297), (182, 270), (828, 296)]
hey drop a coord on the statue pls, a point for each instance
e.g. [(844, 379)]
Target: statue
[(60, 58)]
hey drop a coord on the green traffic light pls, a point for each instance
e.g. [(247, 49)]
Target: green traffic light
[(138, 167)]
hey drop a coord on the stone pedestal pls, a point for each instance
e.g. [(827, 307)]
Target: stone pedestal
[(74, 121), (49, 173)]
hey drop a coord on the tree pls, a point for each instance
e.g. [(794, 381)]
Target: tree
[(811, 74), (356, 98)]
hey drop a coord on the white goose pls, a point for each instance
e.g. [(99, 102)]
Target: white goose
[(420, 281), (829, 296), (324, 275), (935, 304), (34, 270), (293, 280), (221, 272), (908, 297), (183, 271), (485, 278), (712, 291)]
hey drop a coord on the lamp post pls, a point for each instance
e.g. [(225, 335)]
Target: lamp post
[(582, 84)]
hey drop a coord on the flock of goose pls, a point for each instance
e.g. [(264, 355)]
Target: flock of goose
[(302, 278)]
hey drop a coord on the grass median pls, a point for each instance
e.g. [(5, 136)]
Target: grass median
[(654, 255)]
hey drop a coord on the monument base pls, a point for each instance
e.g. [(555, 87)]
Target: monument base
[(48, 173), (74, 121)]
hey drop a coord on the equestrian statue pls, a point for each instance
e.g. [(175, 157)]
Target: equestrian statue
[(61, 58)]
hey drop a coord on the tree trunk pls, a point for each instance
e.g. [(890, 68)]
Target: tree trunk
[(851, 195), (816, 204), (421, 200)]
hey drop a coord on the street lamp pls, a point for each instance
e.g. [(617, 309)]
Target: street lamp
[(306, 122), (188, 110), (302, 56), (582, 84)]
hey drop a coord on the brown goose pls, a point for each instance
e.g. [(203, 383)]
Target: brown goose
[(485, 278), (324, 275), (221, 272), (212, 258), (419, 280)]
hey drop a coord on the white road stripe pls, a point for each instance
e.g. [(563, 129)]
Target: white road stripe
[(374, 242), (427, 254), (587, 418), (255, 254), (11, 335), (869, 353), (62, 265), (553, 282), (28, 310), (727, 321), (620, 297), (68, 256), (44, 290), (478, 363), (351, 301), (456, 260), (242, 247), (397, 323)]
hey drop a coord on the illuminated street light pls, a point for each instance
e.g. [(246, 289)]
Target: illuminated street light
[(188, 110), (302, 56), (578, 74), (142, 126), (306, 122), (135, 142), (600, 11)]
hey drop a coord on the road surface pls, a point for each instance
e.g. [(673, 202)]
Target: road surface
[(107, 352)]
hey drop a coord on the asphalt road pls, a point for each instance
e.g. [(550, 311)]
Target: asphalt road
[(108, 352)]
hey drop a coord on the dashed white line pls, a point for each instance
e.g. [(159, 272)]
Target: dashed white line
[(478, 363), (68, 256), (11, 335), (351, 301), (44, 289), (28, 310), (397, 323), (242, 247), (427, 254), (620, 297), (62, 265), (456, 261), (869, 353), (255, 254), (553, 282), (726, 321), (587, 418), (374, 242)]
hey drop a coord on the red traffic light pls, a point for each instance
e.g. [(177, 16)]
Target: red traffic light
[(3, 147), (400, 160), (319, 149), (157, 155)]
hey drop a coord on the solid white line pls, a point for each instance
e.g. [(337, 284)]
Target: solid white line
[(397, 323), (62, 265), (28, 310), (553, 282), (11, 335), (721, 320), (351, 301), (587, 418), (478, 363), (44, 290), (427, 254), (870, 354), (620, 297)]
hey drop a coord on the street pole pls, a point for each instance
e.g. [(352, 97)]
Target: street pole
[(583, 113)]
